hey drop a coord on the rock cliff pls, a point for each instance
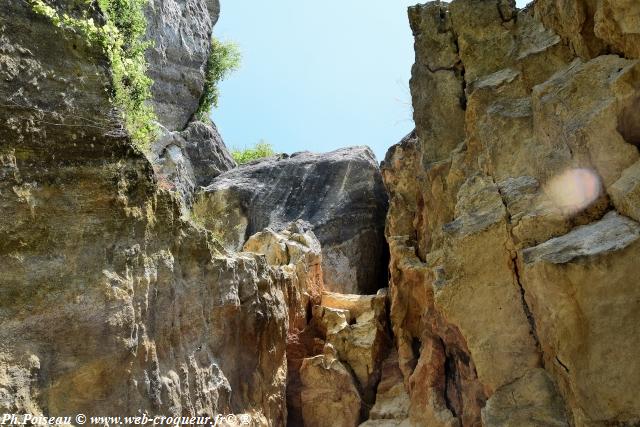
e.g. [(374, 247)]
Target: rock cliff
[(513, 208), (181, 33), (111, 302), (174, 283)]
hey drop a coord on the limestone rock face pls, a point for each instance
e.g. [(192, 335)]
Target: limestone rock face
[(513, 228), (350, 331), (329, 396), (111, 301), (187, 160), (181, 35), (392, 400), (593, 27), (340, 194), (583, 295), (189, 154), (510, 254), (208, 155), (537, 403)]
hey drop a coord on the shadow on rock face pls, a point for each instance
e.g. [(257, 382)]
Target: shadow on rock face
[(629, 123)]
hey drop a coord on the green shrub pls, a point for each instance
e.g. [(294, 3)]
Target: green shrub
[(258, 151), (122, 39), (132, 86), (224, 58)]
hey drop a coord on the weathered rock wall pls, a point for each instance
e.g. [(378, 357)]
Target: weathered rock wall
[(188, 153), (513, 226), (111, 302), (181, 33), (513, 215), (594, 27)]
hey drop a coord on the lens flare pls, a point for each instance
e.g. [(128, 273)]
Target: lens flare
[(574, 190)]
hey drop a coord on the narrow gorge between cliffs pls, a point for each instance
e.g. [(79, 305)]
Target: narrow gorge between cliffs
[(483, 274)]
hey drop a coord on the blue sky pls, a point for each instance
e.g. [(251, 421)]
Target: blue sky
[(317, 76)]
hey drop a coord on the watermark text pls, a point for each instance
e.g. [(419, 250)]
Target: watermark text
[(138, 420)]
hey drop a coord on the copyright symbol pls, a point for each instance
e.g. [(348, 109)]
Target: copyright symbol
[(232, 419), (81, 419)]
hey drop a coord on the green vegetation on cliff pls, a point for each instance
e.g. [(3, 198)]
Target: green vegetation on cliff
[(132, 86), (224, 58), (259, 151), (122, 39)]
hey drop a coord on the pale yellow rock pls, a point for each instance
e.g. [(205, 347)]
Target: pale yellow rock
[(362, 346), (618, 23), (294, 243), (18, 381), (593, 27), (577, 112), (625, 192), (472, 296), (548, 143), (297, 251), (387, 423), (573, 20), (368, 305), (331, 320), (530, 401), (436, 77), (363, 343), (583, 293), (329, 394)]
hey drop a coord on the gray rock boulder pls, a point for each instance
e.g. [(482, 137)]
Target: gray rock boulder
[(181, 35), (206, 150), (184, 161), (340, 194)]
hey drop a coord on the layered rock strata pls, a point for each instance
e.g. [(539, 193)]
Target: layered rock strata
[(111, 301), (513, 291), (513, 227)]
